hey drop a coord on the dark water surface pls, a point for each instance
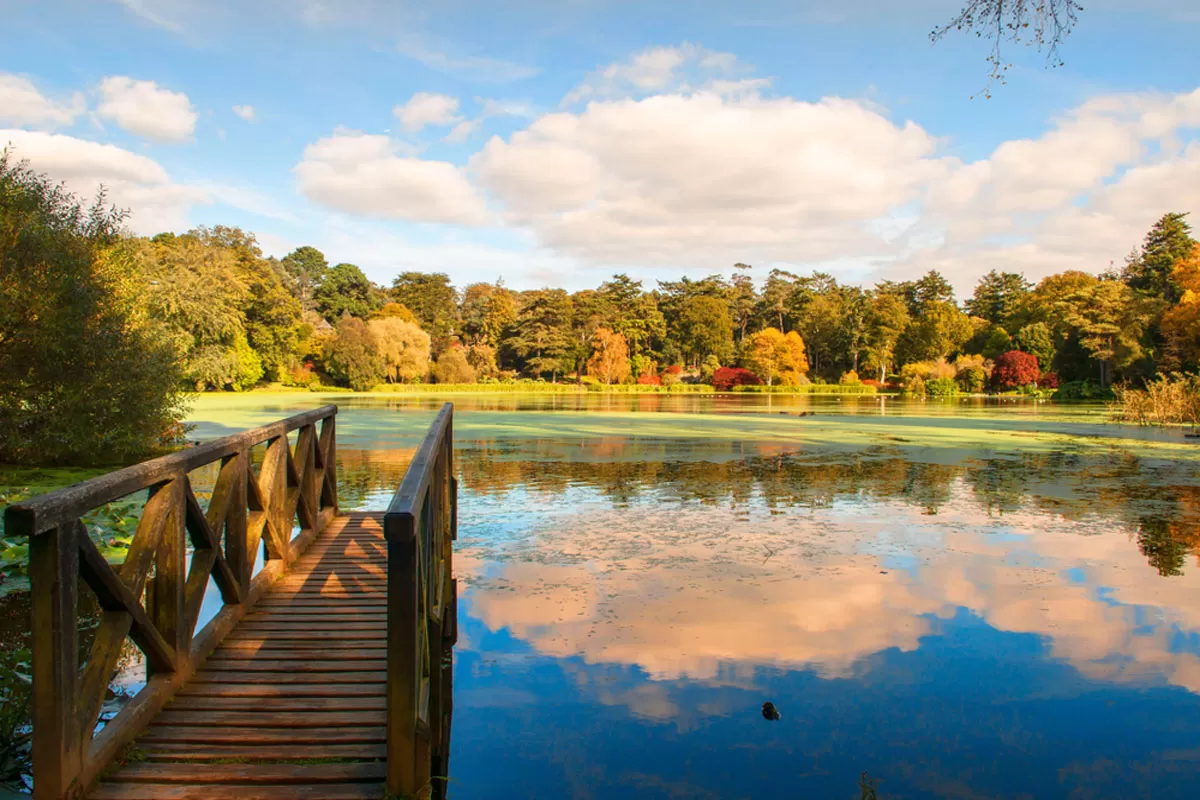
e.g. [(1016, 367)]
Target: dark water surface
[(965, 601)]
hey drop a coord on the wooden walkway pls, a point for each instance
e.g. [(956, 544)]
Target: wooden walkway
[(291, 704), (326, 675)]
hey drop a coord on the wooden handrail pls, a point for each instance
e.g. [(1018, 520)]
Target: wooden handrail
[(249, 509), (420, 525)]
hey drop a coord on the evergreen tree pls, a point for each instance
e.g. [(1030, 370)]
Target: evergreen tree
[(306, 268), (1168, 242), (346, 290), (431, 297), (541, 335), (998, 296)]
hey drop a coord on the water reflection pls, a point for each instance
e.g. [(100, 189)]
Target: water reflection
[(935, 623), (966, 608)]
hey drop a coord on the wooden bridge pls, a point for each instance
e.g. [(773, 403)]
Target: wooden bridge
[(325, 674)]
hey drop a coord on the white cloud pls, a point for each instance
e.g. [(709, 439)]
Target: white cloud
[(705, 180), (160, 13), (683, 68), (679, 161), (427, 108), (132, 181), (22, 104), (489, 108), (1077, 197), (362, 174), (143, 108), (434, 53), (245, 112)]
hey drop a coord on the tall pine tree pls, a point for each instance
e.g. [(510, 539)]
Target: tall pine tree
[(1168, 242)]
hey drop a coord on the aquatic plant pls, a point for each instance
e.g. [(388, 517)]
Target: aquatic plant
[(1169, 400), (15, 728)]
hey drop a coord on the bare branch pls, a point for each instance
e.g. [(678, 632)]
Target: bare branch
[(1043, 24)]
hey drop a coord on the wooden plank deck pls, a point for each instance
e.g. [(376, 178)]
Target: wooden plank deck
[(292, 703)]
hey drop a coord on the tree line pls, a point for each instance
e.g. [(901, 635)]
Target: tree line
[(236, 318), (86, 305)]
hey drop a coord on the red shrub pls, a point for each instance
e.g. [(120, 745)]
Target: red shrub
[(649, 380), (726, 378), (1048, 380), (872, 382), (1015, 369), (674, 369)]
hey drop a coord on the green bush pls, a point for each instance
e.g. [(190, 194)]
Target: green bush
[(941, 387), (84, 378), (914, 386), (972, 380), (15, 715), (1082, 390)]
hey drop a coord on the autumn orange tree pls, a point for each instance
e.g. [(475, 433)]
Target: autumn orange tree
[(1181, 322), (776, 356), (609, 363)]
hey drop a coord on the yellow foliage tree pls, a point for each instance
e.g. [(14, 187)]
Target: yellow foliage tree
[(404, 347), (1181, 322), (452, 366), (609, 363), (397, 310), (775, 356)]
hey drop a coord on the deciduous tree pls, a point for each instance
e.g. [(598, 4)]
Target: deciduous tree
[(776, 357), (83, 377), (609, 363), (1015, 369), (353, 356), (403, 346), (704, 328), (1181, 322), (452, 366)]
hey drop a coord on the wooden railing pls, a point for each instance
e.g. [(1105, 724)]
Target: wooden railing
[(420, 525), (155, 597)]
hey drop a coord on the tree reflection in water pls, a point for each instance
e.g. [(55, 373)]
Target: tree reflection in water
[(676, 582)]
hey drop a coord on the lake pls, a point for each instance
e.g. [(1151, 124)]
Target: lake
[(961, 599)]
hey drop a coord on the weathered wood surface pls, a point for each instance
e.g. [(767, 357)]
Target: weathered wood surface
[(325, 675), (239, 730), (154, 597)]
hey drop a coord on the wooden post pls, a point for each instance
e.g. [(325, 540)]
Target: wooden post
[(159, 614), (403, 653), (236, 525), (328, 443), (274, 483), (165, 598), (54, 590)]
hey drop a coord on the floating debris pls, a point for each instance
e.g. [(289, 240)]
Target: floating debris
[(769, 711)]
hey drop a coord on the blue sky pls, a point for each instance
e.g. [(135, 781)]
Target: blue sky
[(554, 143)]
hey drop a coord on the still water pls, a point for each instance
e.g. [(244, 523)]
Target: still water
[(962, 600)]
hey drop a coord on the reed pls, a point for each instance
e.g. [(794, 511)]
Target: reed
[(1168, 400)]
